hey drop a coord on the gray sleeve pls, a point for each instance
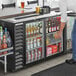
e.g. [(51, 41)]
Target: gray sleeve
[(63, 9)]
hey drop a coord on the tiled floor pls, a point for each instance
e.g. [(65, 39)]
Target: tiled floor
[(42, 66)]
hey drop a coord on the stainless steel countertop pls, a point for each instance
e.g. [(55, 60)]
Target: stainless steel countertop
[(12, 12), (32, 17)]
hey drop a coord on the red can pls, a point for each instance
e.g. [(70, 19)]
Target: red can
[(54, 49)]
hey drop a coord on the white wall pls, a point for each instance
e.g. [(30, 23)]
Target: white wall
[(0, 3), (6, 2), (52, 3)]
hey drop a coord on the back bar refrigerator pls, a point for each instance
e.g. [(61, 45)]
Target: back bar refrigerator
[(33, 40), (28, 42)]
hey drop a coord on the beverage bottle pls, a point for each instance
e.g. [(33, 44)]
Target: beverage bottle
[(55, 24), (37, 31), (47, 27), (29, 56), (39, 42), (31, 30), (36, 54), (9, 40), (28, 44), (40, 27), (26, 30), (34, 29), (35, 43), (37, 28), (31, 44), (32, 55), (4, 44), (1, 34), (47, 41), (39, 54), (26, 56), (52, 24), (58, 24), (0, 44), (5, 32)]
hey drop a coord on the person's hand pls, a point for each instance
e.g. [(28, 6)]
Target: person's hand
[(58, 34)]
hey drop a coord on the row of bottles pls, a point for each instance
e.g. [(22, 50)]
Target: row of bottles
[(53, 49), (53, 24), (34, 28), (5, 39), (34, 55), (33, 43)]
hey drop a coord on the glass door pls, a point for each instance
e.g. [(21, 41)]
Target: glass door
[(34, 41), (53, 46)]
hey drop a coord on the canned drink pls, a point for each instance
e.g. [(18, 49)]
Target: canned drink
[(39, 54), (29, 56), (28, 44), (38, 41), (36, 54), (32, 56), (31, 43), (35, 43), (49, 51)]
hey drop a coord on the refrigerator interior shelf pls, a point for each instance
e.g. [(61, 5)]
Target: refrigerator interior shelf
[(33, 48), (55, 42), (3, 50), (31, 37)]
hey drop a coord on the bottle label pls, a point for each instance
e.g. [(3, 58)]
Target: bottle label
[(36, 54), (49, 29), (46, 30), (34, 42), (40, 30), (29, 56), (31, 45)]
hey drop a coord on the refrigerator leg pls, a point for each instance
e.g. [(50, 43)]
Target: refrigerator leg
[(5, 64)]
